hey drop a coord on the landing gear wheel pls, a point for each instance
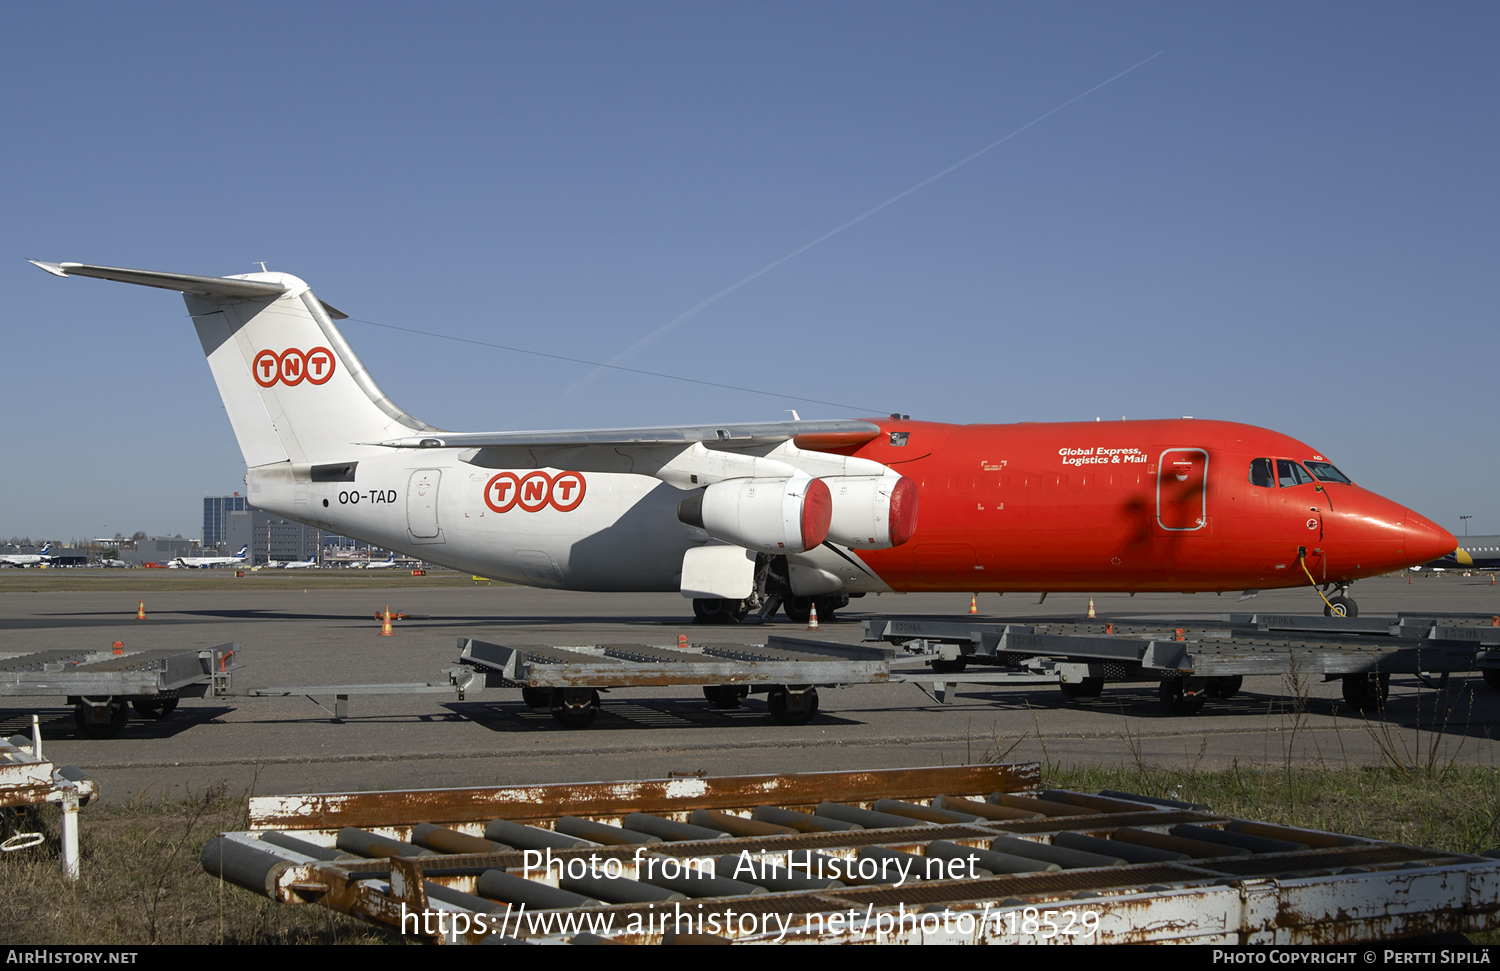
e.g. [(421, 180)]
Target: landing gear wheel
[(798, 610), (712, 610), (725, 696), (1492, 677), (1225, 687), (941, 665), (154, 708), (788, 708), (99, 721), (575, 707), (1085, 690), (827, 605), (1367, 692), (1175, 696), (537, 699), (1341, 607)]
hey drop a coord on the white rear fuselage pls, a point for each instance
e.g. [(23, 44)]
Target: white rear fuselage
[(622, 534)]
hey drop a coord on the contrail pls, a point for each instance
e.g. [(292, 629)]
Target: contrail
[(710, 301)]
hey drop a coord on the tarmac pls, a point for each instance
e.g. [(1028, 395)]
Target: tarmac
[(287, 745)]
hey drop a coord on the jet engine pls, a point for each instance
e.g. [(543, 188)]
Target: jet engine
[(772, 515), (872, 512)]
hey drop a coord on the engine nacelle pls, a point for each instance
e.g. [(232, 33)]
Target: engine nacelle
[(872, 512), (771, 515)]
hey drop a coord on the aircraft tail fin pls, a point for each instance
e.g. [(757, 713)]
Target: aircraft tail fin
[(293, 387)]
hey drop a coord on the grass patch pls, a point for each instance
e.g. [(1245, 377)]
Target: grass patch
[(140, 883)]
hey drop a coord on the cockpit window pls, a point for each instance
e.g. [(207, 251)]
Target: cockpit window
[(1328, 473), (1289, 474), (1260, 474)]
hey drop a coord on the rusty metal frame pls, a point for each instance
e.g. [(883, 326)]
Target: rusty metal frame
[(1338, 889), (29, 779)]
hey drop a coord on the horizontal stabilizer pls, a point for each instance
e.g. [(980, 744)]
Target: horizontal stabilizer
[(209, 286), (851, 432)]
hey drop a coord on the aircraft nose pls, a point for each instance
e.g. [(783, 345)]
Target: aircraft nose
[(1426, 541)]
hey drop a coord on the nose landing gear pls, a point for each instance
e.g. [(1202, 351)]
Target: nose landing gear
[(1341, 605)]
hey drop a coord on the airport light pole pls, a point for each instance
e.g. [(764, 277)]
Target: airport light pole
[(1466, 524)]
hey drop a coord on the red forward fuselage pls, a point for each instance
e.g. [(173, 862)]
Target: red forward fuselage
[(1179, 505)]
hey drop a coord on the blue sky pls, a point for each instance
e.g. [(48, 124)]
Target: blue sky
[(1288, 218)]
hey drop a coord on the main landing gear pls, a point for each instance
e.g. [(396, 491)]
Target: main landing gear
[(709, 610), (772, 590), (798, 610)]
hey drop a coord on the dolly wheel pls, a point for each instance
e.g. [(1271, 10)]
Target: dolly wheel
[(88, 718), (575, 707), (1178, 700), (1086, 690), (790, 709), (1225, 687), (154, 708)]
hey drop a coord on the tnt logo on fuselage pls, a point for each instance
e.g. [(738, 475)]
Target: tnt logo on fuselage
[(292, 367), (534, 491)]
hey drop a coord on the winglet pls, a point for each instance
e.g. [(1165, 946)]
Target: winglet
[(52, 268)]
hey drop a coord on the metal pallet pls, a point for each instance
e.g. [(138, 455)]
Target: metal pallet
[(100, 684), (1196, 658), (577, 863), (566, 680)]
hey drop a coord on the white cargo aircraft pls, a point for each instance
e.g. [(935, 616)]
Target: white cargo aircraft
[(203, 562), (581, 510), (307, 564), (42, 555)]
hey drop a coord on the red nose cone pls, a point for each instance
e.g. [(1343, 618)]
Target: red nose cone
[(1426, 542), (903, 517), (817, 513)]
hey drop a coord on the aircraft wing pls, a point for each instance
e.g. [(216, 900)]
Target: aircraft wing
[(807, 434)]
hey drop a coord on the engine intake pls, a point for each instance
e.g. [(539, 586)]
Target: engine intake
[(872, 512)]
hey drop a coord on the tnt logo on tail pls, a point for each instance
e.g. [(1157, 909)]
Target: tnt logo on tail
[(291, 367)]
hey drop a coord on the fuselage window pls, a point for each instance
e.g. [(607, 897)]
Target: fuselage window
[(1260, 474), (1289, 474), (1328, 473)]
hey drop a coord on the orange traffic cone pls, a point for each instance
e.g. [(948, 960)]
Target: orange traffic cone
[(1492, 579), (1180, 635), (385, 624), (682, 642), (1091, 608), (812, 618), (1408, 579), (140, 612), (974, 603), (118, 647)]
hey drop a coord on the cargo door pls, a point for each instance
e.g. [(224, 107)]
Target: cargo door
[(1182, 492), (422, 505)]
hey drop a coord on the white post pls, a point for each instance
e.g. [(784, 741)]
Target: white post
[(70, 836), (36, 738)]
